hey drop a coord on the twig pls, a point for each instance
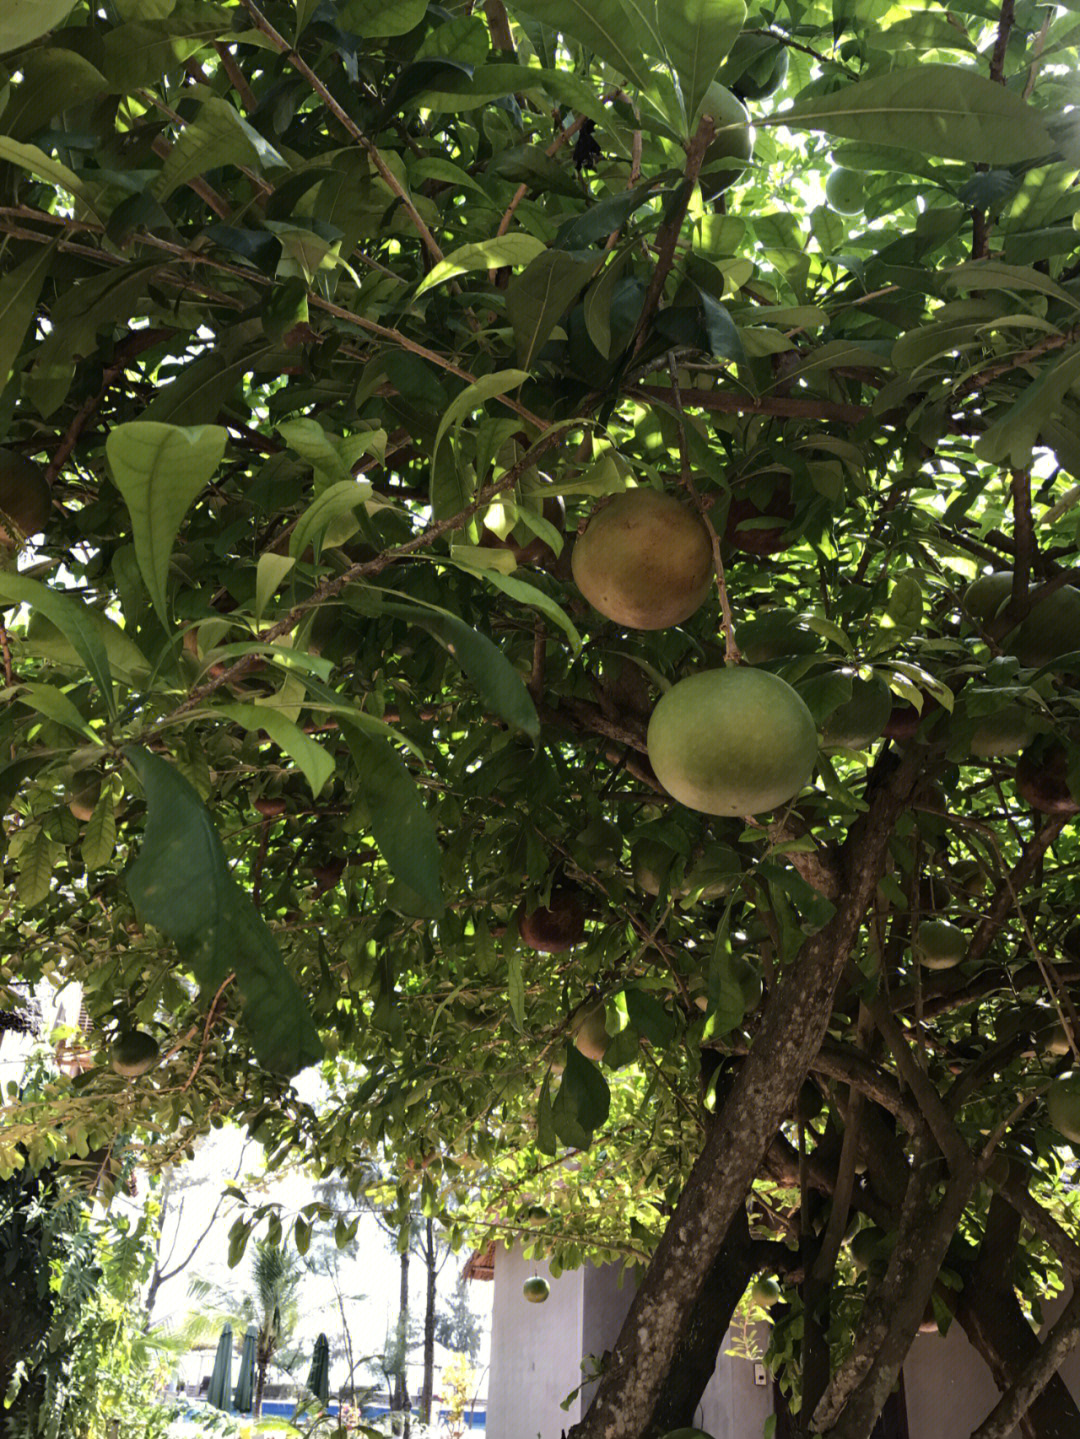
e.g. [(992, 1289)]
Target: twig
[(349, 125), (5, 648), (731, 649), (731, 403), (1040, 41), (1025, 539), (668, 237), (1001, 43), (206, 1032)]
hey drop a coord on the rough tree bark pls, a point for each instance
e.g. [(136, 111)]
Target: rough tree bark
[(792, 1028), (432, 1270), (399, 1399)]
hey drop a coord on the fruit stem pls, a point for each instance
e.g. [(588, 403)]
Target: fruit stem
[(731, 649)]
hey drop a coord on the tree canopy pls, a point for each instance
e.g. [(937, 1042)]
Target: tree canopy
[(328, 327)]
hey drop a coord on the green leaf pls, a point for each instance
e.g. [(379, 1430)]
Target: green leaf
[(902, 616), (696, 36), (99, 841), (36, 162), (316, 765), (302, 1234), (160, 469), (1009, 440), (218, 136), (649, 1018), (335, 501), (269, 573), (547, 1141), (19, 290), (239, 1234), (582, 1103), (515, 990), (180, 884), (55, 705), (25, 20), (538, 298), (472, 398), (491, 254), (400, 823), (498, 682), (613, 29), (523, 591), (72, 618), (33, 879), (381, 17), (946, 110), (994, 275)]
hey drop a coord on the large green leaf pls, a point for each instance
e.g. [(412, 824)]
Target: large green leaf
[(945, 110), (538, 297), (696, 36), (401, 825), (19, 290), (71, 617), (35, 162), (499, 684), (218, 136), (493, 254), (1010, 439), (181, 884), (582, 1103), (24, 20), (614, 29), (311, 758), (159, 469)]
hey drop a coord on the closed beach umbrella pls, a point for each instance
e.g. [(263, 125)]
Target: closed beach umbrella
[(244, 1394), (319, 1377), (221, 1378)]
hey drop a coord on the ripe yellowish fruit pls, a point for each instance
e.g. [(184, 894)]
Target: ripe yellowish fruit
[(590, 1030), (735, 741), (939, 944), (645, 561)]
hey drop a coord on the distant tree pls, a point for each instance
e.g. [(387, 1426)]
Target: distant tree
[(457, 1327)]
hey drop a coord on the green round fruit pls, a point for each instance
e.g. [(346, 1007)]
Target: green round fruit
[(765, 1292), (645, 561), (734, 139), (735, 741), (133, 1053), (1063, 1104), (1050, 629), (774, 635), (756, 67), (589, 1030), (969, 876), (844, 191), (1008, 731), (1055, 1041), (598, 847), (536, 1290), (83, 793), (651, 861), (939, 944), (862, 719), (25, 499)]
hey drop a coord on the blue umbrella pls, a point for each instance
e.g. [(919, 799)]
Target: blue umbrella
[(221, 1378), (244, 1395), (318, 1380)]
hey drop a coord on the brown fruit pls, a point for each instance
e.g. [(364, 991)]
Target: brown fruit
[(757, 539), (25, 503), (328, 875), (1042, 781), (905, 719), (555, 929), (269, 808), (645, 561)]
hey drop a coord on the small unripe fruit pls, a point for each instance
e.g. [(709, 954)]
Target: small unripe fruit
[(134, 1053), (536, 1290)]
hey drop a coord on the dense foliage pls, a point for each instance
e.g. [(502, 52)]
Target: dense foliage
[(327, 327)]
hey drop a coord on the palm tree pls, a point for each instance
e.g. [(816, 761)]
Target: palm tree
[(270, 1304), (276, 1276)]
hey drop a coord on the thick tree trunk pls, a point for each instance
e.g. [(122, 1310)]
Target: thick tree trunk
[(262, 1364), (991, 1317), (430, 1256), (764, 1091), (703, 1331)]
